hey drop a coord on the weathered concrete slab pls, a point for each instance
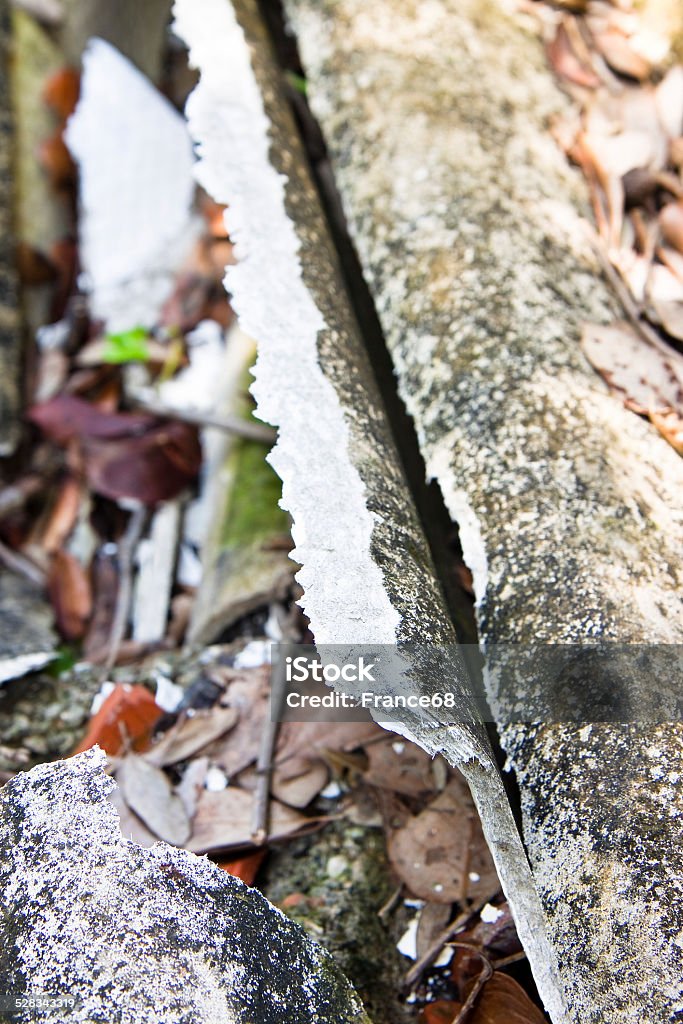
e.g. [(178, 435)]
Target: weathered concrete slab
[(135, 934), (466, 220), (27, 637), (10, 351), (366, 568)]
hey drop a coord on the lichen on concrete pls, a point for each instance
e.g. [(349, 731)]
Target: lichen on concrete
[(366, 569), (468, 224), (143, 936)]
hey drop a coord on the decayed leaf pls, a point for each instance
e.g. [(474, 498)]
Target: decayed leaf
[(440, 853), (128, 715), (224, 820), (441, 1011), (191, 734), (400, 766), (131, 826), (669, 99), (621, 56), (147, 791), (567, 64), (671, 224), (503, 1001), (664, 291), (299, 790), (670, 426), (63, 515), (127, 455), (249, 694), (70, 593), (646, 380)]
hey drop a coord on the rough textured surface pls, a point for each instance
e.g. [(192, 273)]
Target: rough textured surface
[(27, 637), (366, 568), (466, 220), (10, 353), (139, 935)]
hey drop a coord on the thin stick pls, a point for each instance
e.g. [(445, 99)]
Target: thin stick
[(264, 766), (514, 958), (21, 565), (126, 551), (632, 311), (486, 972), (440, 941), (231, 424)]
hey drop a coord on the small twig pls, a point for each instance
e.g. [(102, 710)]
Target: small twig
[(264, 765), (248, 429), (126, 552), (391, 903), (505, 961), (440, 941), (484, 975), (22, 566)]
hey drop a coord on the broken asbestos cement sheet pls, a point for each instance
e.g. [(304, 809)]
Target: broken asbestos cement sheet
[(141, 935), (136, 189), (366, 568), (466, 219)]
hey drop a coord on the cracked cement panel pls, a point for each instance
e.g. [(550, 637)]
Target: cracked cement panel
[(468, 224), (142, 936), (366, 569)]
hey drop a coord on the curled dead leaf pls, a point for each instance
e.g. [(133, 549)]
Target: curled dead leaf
[(148, 792), (645, 379), (70, 593), (671, 224)]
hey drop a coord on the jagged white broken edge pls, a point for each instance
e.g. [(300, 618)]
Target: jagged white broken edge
[(345, 597), (136, 189)]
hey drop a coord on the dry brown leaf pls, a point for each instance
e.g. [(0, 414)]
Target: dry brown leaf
[(621, 56), (432, 920), (148, 793), (301, 744), (671, 224), (671, 259), (440, 853), (63, 515), (643, 377), (191, 734), (70, 593), (566, 63), (670, 426), (504, 1001), (224, 820), (249, 694), (400, 766), (669, 99), (131, 826), (301, 789), (192, 784), (664, 293)]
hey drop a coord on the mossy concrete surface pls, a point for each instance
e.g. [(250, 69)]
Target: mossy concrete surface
[(143, 936), (467, 221)]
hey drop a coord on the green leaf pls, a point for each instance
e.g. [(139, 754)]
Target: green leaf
[(297, 81), (127, 347)]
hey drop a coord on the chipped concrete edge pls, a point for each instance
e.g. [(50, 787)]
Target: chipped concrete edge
[(234, 168), (228, 122)]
